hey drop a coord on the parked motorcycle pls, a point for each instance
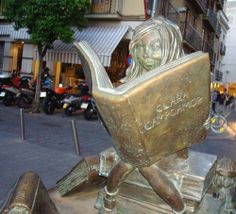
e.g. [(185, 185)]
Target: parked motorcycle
[(2, 92), (91, 111), (26, 95), (5, 79), (54, 98), (9, 93), (9, 86), (83, 102), (74, 103)]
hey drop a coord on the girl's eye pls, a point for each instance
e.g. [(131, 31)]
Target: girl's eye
[(140, 47), (155, 45)]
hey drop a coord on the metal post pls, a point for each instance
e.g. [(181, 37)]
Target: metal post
[(75, 137), (22, 124), (154, 8)]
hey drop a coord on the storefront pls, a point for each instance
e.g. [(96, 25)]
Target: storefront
[(232, 89), (106, 40), (109, 41), (16, 50)]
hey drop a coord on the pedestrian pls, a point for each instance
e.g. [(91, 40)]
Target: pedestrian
[(215, 97)]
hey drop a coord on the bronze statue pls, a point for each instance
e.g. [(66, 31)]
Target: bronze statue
[(159, 111), (148, 117)]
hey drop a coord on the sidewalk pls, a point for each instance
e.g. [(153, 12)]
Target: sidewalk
[(230, 132), (17, 157), (48, 149)]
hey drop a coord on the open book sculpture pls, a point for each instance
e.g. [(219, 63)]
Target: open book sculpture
[(153, 115)]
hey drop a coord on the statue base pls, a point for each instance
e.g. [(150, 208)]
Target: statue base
[(192, 176)]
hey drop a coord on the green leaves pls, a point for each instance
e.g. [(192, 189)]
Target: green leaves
[(48, 20)]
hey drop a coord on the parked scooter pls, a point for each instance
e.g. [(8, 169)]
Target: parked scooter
[(9, 86), (91, 111), (9, 93), (26, 95), (54, 98), (5, 79), (83, 102)]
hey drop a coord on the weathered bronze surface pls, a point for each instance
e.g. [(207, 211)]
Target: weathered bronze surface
[(157, 114), (158, 111), (155, 42), (192, 179), (86, 171), (29, 196), (225, 181)]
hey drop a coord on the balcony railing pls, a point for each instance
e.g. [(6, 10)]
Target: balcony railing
[(211, 18), (220, 4), (201, 5), (218, 31), (222, 49), (208, 49), (166, 9), (191, 36), (218, 75)]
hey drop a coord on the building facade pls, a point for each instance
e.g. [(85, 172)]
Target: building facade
[(111, 23), (229, 62)]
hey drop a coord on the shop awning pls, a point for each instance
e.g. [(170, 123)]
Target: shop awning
[(21, 34), (8, 30), (5, 30), (102, 38)]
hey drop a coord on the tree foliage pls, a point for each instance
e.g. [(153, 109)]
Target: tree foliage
[(47, 21)]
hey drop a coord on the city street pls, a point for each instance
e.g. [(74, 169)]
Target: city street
[(48, 148)]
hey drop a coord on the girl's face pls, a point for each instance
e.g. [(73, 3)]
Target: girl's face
[(148, 50)]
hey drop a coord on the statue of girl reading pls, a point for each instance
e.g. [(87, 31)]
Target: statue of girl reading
[(155, 42)]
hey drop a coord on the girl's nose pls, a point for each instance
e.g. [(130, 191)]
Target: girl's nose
[(146, 51)]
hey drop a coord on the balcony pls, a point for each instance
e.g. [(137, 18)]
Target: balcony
[(218, 30), (222, 49), (208, 49), (190, 36), (200, 5), (220, 4), (218, 75), (210, 19), (166, 9)]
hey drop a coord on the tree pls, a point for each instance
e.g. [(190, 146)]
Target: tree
[(47, 21)]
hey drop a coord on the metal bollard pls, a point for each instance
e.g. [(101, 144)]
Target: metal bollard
[(75, 137), (22, 124)]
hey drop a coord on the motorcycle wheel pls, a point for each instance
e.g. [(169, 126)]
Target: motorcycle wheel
[(8, 99), (48, 106), (23, 102), (89, 112), (68, 111)]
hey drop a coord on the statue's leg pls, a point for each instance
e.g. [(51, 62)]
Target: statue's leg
[(165, 188), (115, 178)]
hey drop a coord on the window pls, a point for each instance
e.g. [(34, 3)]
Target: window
[(101, 6)]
